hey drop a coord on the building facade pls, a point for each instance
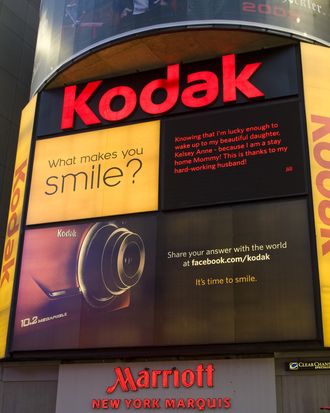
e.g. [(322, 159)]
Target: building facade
[(168, 231)]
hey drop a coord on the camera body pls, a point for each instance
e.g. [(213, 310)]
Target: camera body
[(85, 285)]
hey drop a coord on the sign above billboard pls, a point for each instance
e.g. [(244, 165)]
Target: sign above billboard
[(199, 95), (210, 84)]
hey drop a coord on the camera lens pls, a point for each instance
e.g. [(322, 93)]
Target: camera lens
[(111, 261), (117, 276), (131, 259)]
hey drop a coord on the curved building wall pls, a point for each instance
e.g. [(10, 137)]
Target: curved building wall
[(70, 28)]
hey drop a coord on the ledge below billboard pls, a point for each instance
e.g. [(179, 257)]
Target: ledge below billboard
[(233, 274)]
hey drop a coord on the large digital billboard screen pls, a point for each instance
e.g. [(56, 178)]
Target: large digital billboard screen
[(191, 277), (191, 227), (72, 28)]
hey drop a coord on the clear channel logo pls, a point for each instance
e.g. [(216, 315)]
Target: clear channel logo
[(293, 365)]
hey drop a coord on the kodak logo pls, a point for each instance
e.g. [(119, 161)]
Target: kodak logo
[(202, 89)]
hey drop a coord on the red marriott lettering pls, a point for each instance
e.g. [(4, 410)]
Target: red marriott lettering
[(203, 88), (145, 379)]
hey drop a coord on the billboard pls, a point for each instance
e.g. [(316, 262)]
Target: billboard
[(177, 230), (106, 172), (191, 277), (316, 69), (241, 385), (12, 240)]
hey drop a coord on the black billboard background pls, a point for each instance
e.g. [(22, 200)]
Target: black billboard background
[(265, 298), (214, 158)]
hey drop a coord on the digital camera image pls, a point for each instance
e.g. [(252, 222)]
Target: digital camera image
[(110, 262), (79, 278)]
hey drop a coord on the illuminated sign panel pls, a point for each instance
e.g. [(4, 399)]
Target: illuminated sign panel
[(308, 365), (106, 172), (177, 89), (316, 69), (9, 258), (219, 157), (205, 385), (208, 86)]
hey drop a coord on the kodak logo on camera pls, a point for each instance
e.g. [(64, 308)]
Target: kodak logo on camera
[(92, 174), (61, 233)]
